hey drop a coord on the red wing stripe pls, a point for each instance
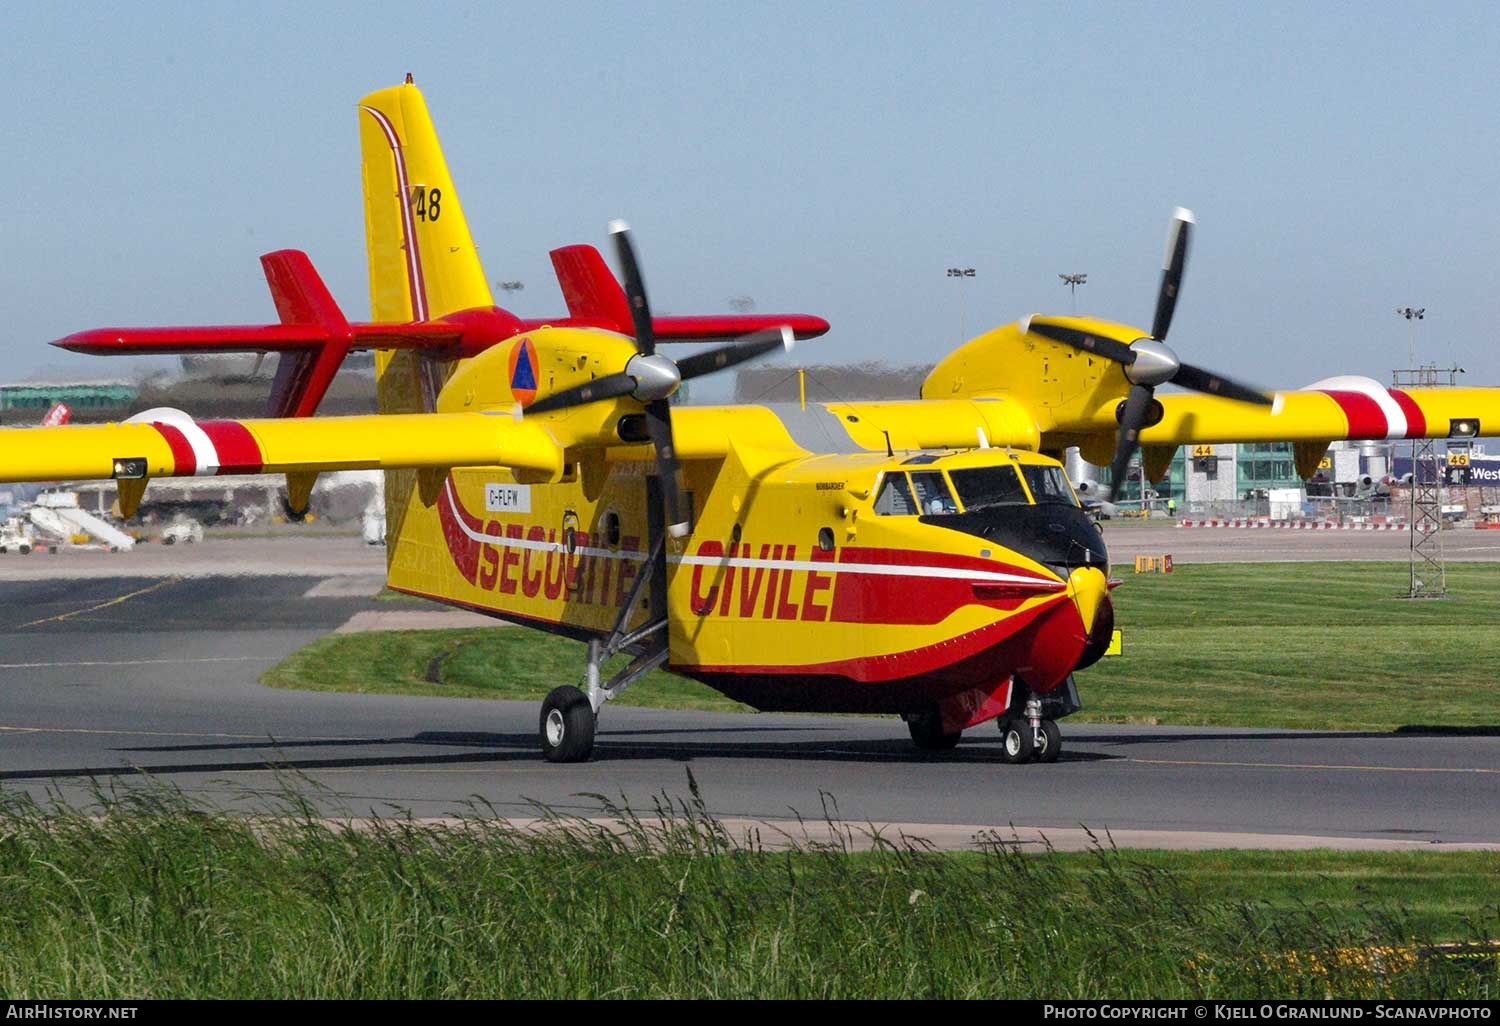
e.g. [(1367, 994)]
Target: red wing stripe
[(238, 451), (1366, 420), (185, 463), (1416, 421)]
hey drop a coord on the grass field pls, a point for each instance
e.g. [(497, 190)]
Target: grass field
[(1324, 645), (1317, 645), (151, 897), (478, 662)]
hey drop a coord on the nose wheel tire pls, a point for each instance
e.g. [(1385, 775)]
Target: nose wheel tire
[(567, 725), (1018, 742), (1022, 744), (927, 732), (1048, 742)]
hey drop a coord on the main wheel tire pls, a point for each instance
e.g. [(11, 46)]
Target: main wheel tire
[(927, 732), (1018, 743), (567, 725), (1048, 742)]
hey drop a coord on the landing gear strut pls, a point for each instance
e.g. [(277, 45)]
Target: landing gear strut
[(569, 715), (1031, 735)]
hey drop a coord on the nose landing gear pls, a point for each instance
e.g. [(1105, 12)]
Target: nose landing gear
[(1031, 734)]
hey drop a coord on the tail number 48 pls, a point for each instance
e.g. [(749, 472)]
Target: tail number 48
[(426, 203)]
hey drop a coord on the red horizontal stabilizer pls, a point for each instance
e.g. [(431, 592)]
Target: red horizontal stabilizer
[(314, 337), (255, 338), (711, 326), (222, 338)]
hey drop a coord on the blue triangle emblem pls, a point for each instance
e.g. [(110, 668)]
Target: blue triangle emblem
[(523, 378)]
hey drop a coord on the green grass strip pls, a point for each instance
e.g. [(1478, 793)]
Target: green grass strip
[(476, 662), (151, 896)]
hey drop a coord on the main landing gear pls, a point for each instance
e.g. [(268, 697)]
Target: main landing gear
[(927, 732), (570, 715)]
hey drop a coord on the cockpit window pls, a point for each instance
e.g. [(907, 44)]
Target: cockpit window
[(1049, 484), (989, 486), (895, 498), (932, 492)]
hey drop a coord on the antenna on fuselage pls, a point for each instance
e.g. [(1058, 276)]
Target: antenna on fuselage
[(888, 450)]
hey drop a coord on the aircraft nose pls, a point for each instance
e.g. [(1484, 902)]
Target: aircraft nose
[(1061, 637), (1089, 590)]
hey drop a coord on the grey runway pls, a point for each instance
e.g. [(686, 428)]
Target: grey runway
[(107, 685)]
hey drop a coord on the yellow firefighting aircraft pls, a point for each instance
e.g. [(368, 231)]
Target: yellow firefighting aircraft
[(927, 558)]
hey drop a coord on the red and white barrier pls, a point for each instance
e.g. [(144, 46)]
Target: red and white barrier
[(1293, 525)]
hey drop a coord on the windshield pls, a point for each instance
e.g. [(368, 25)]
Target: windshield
[(988, 486), (1049, 484)]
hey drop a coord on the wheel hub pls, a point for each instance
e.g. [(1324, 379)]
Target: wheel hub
[(555, 728)]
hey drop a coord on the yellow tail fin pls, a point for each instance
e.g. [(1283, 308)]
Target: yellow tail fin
[(423, 263)]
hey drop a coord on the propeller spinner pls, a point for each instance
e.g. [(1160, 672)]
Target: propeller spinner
[(652, 378), (1149, 362)]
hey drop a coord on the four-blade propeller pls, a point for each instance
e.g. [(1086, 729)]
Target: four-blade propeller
[(1148, 362), (652, 378)]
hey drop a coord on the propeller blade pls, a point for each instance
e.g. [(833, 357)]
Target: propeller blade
[(658, 411), (1178, 236), (608, 387), (1108, 348), (747, 348), (1137, 406), (1200, 380), (635, 289), (659, 424)]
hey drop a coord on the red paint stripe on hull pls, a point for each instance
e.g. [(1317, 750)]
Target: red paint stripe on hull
[(916, 662)]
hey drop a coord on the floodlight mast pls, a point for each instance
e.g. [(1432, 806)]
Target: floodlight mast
[(962, 274), (1072, 281)]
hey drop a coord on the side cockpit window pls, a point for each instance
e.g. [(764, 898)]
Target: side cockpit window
[(932, 492), (1049, 484), (989, 486), (895, 498)]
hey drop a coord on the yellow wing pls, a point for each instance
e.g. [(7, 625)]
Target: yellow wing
[(169, 443), (1338, 408)]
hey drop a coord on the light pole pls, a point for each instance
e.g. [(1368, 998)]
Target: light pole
[(1072, 281), (961, 273), (1411, 315)]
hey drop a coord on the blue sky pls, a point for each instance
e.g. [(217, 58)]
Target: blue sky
[(833, 158)]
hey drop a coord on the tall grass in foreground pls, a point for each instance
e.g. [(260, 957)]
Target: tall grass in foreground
[(152, 896)]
